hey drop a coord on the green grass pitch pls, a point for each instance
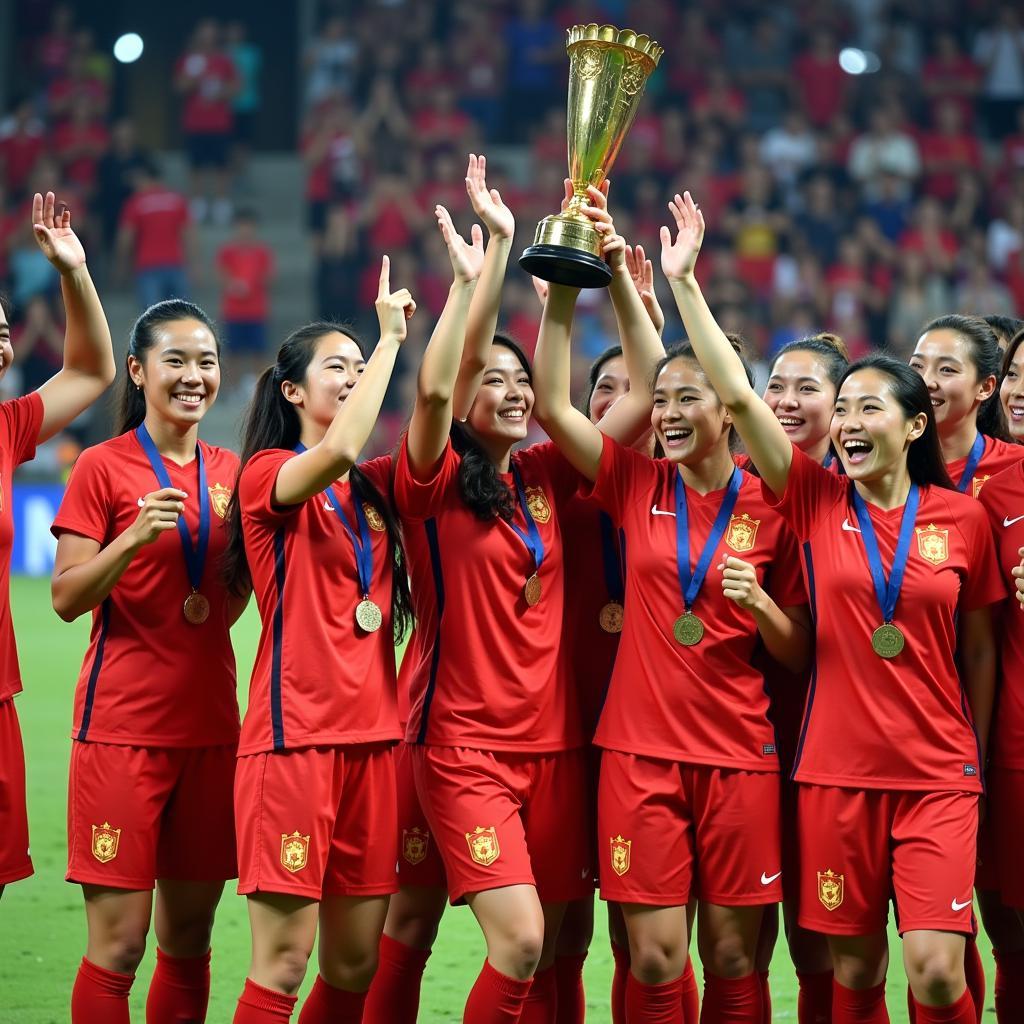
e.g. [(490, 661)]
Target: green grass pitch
[(42, 924)]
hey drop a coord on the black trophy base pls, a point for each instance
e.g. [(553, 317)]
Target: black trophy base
[(561, 264)]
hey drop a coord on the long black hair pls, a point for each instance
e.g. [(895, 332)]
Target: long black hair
[(828, 347), (1004, 327), (480, 485), (594, 373), (986, 355), (924, 457), (272, 422), (131, 402)]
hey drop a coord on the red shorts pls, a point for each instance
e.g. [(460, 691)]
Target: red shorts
[(1006, 814), (508, 819), (674, 831), (136, 814), (419, 861), (859, 847), (15, 862), (317, 822)]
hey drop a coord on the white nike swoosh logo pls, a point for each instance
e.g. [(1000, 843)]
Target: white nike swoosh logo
[(849, 528), (141, 502), (655, 511), (768, 879), (1007, 521), (960, 906), (328, 507)]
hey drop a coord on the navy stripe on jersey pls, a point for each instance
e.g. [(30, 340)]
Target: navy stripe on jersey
[(276, 713), (97, 664), (435, 658), (812, 600)]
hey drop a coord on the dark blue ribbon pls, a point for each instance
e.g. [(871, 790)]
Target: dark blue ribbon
[(195, 556), (531, 537), (612, 559), (690, 584), (971, 467), (888, 591)]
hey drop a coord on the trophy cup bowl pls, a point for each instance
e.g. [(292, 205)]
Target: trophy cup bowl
[(608, 69)]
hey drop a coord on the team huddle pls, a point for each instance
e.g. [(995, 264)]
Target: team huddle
[(703, 651)]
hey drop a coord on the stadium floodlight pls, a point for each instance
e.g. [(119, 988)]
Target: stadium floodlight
[(128, 48), (855, 61)]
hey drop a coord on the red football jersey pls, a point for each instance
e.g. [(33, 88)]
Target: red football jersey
[(318, 679), (872, 722), (208, 106), (150, 678), (704, 704), (1003, 500), (20, 420), (487, 671), (158, 217), (998, 455), (248, 268)]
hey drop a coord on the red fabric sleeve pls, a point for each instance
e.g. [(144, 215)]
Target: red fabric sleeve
[(984, 584), (256, 487), (786, 582), (420, 499), (22, 420), (622, 476), (810, 492), (85, 508)]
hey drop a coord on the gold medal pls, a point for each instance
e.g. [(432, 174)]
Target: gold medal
[(611, 617), (887, 641), (532, 590), (688, 629), (196, 608), (368, 616)]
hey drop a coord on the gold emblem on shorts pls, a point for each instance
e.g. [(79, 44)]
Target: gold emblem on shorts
[(294, 851), (620, 854), (742, 532), (537, 503), (830, 889), (105, 841), (219, 498), (373, 518), (483, 845), (415, 842), (977, 483), (933, 543)]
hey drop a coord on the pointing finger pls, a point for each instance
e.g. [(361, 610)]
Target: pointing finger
[(384, 285)]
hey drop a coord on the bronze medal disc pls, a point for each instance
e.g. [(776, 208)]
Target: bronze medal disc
[(196, 608), (688, 629), (611, 617), (532, 590), (368, 616), (887, 641)]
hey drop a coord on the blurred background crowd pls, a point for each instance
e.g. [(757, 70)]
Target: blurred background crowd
[(860, 164)]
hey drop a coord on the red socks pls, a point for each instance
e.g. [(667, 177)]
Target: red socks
[(974, 971), (541, 1003), (766, 998), (572, 1004), (814, 1005), (732, 1000), (654, 1004), (620, 979), (259, 1005), (866, 1006), (100, 995), (180, 990), (394, 996), (495, 998), (1009, 987), (961, 1012), (326, 1004), (690, 996)]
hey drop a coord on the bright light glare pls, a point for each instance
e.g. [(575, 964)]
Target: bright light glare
[(853, 61), (128, 48)]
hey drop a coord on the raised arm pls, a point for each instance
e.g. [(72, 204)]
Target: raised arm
[(332, 457), (89, 367), (439, 370), (483, 310), (763, 436)]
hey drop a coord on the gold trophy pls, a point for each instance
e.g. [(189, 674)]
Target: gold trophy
[(608, 69)]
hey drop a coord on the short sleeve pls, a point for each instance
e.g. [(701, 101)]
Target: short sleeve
[(984, 584), (85, 508), (811, 492), (420, 499), (551, 464), (22, 421), (379, 472), (256, 487), (621, 475), (786, 582)]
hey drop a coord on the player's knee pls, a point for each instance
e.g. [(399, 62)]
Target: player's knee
[(415, 928), (288, 968), (519, 951), (655, 962), (354, 972), (727, 956), (123, 951), (936, 976), (188, 938)]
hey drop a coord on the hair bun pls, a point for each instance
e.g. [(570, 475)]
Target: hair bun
[(833, 341)]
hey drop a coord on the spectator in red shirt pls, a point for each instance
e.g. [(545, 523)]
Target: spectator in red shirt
[(156, 236), (821, 83), (246, 266), (80, 144), (207, 78), (948, 152), (76, 85), (951, 76), (21, 145)]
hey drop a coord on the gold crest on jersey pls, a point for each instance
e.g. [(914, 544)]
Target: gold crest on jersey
[(977, 483), (537, 503), (933, 544), (415, 843), (620, 854), (742, 532), (105, 841), (219, 498), (830, 889), (483, 845), (294, 851), (373, 518)]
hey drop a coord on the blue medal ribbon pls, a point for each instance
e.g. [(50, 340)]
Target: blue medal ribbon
[(971, 466), (531, 536), (888, 591), (612, 559), (690, 583), (195, 556)]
